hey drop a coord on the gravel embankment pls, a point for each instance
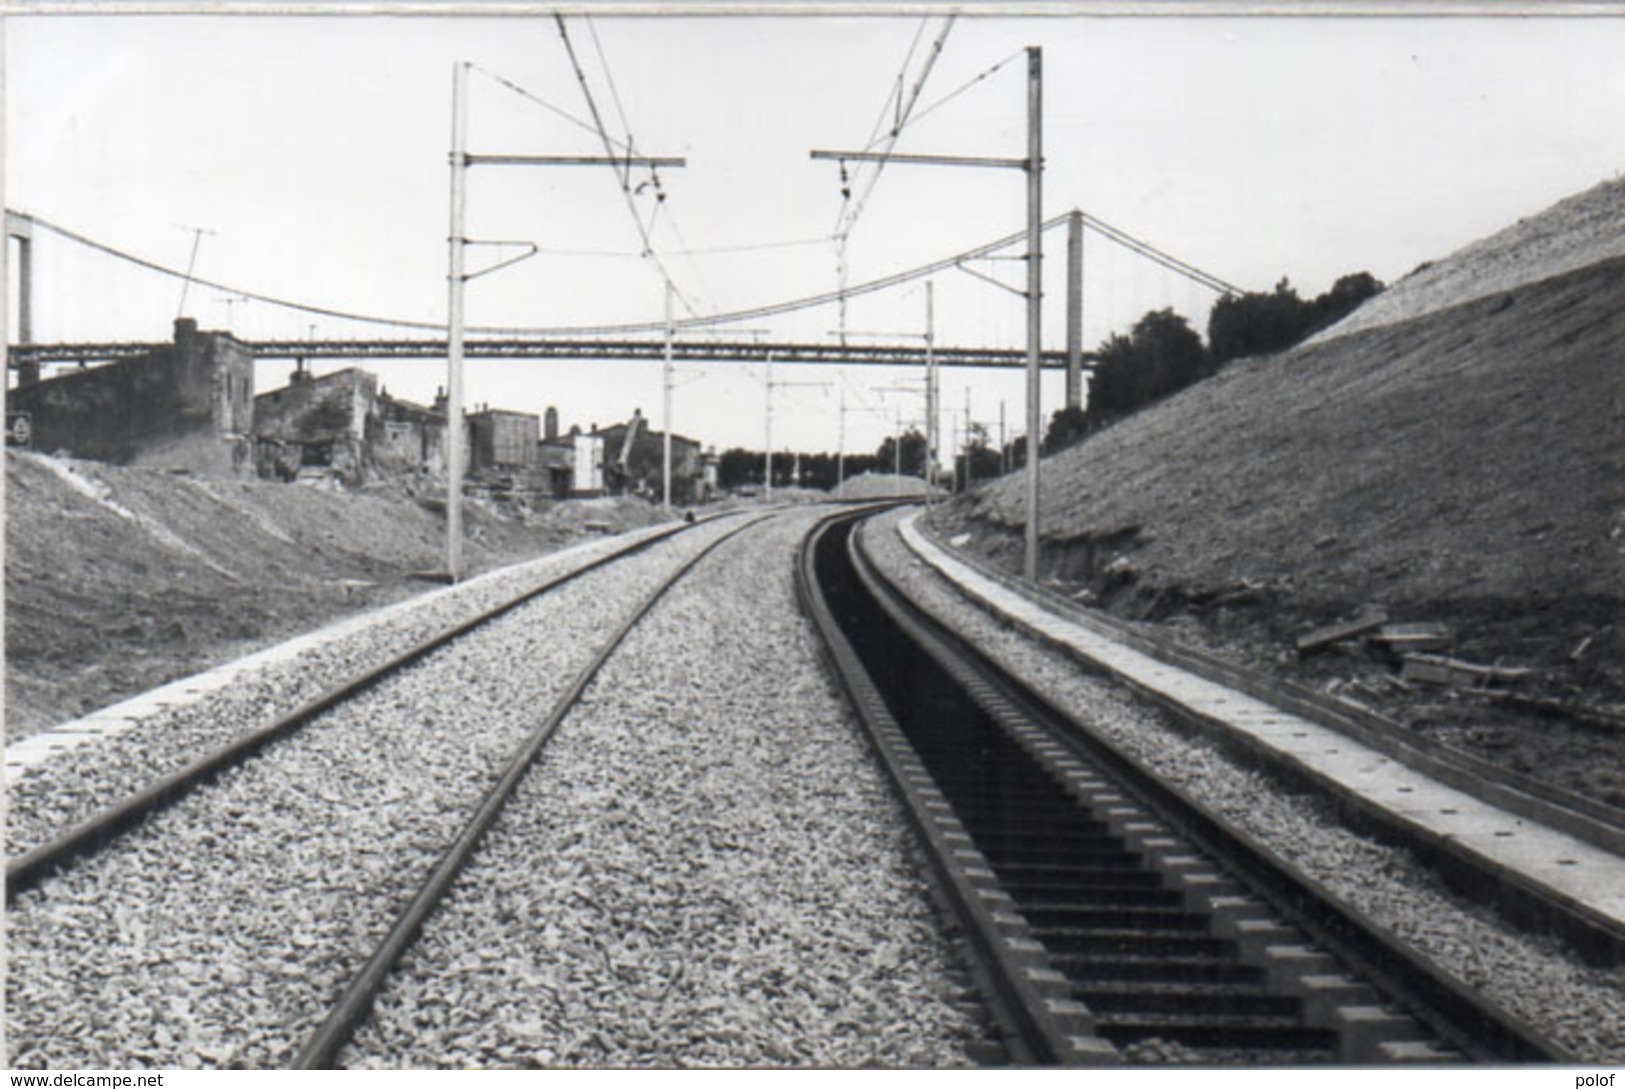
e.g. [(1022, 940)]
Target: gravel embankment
[(1581, 1007), (217, 933), (706, 868), (81, 781)]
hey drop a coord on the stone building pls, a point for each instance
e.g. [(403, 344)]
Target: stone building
[(187, 406), (192, 406), (556, 457), (501, 441), (636, 466), (319, 427), (413, 439)]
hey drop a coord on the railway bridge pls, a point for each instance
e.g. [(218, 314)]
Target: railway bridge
[(629, 351)]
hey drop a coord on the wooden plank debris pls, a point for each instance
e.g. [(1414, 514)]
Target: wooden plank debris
[(1321, 638), (1422, 636), (1437, 669)]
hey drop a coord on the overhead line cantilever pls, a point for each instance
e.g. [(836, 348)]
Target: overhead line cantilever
[(926, 160)]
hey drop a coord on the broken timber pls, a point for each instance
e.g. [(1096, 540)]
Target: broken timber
[(1435, 669), (1422, 636), (1348, 629)]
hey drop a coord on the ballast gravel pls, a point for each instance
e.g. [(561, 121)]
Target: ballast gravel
[(1578, 1006), (217, 933), (705, 868), (77, 783)]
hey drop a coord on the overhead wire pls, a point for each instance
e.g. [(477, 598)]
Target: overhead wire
[(850, 213), (626, 126), (894, 97), (609, 77), (1145, 249), (749, 247), (290, 304), (847, 218), (685, 251), (956, 92), (537, 99), (626, 188), (697, 321)]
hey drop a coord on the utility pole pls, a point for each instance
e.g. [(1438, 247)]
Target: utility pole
[(897, 443), (191, 263), (457, 281), (665, 442), (1033, 164), (897, 423), (840, 449), (968, 475), (840, 462), (932, 427), (1074, 309), (1004, 453), (1035, 288), (767, 470), (767, 475), (21, 228)]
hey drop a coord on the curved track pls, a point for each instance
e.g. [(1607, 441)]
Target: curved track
[(1114, 918)]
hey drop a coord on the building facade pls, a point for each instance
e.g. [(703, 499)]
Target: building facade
[(319, 427), (187, 406)]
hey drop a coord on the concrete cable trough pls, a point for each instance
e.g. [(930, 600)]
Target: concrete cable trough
[(1114, 913)]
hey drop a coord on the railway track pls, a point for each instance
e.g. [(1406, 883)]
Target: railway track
[(279, 903), (25, 870), (1130, 944), (353, 1005), (1116, 921)]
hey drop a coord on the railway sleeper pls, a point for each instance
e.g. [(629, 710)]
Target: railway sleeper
[(1120, 923)]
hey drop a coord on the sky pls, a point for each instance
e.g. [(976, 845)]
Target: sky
[(312, 153)]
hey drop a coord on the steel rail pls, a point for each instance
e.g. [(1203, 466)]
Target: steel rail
[(1530, 906), (1038, 1027), (27, 869), (1465, 1020), (1455, 1015), (353, 1005)]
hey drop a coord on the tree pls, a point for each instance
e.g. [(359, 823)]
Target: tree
[(913, 450), (1163, 354), (738, 466), (1345, 296), (1259, 324), (984, 463), (1256, 324), (1069, 425)]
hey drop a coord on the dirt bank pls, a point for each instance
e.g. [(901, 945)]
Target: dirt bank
[(118, 580), (1462, 464)]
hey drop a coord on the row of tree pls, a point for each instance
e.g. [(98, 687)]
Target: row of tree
[(1162, 353), (738, 468), (1258, 324)]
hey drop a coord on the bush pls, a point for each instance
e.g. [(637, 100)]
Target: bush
[(1259, 324)]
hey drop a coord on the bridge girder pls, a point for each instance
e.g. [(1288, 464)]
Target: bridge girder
[(891, 355)]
